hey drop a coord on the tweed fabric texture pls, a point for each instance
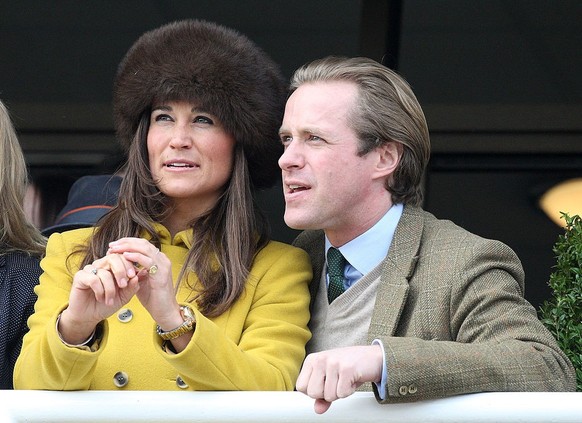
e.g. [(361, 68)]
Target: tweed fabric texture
[(451, 315)]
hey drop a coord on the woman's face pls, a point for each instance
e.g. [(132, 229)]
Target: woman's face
[(190, 155)]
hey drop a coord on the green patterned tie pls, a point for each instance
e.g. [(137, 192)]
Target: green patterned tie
[(335, 269)]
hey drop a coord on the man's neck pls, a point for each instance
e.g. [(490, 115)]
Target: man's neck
[(340, 236)]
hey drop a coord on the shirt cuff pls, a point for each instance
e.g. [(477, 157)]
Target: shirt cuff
[(382, 385)]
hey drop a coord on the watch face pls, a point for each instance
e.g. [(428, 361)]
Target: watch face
[(187, 313)]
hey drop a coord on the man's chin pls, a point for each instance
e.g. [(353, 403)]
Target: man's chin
[(298, 222)]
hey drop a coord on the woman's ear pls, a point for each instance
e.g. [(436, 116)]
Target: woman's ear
[(389, 155)]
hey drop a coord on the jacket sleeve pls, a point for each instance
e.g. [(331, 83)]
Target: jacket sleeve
[(473, 331), (271, 348), (43, 356)]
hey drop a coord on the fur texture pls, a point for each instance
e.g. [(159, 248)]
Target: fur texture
[(219, 69)]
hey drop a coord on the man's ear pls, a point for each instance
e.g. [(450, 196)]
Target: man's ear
[(389, 155)]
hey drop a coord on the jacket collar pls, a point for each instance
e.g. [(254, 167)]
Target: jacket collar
[(398, 268)]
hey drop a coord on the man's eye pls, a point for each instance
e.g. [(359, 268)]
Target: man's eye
[(285, 139), (314, 138)]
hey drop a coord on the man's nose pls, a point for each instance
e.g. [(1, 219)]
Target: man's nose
[(291, 157)]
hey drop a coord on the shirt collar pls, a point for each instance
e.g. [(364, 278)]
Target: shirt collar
[(370, 248)]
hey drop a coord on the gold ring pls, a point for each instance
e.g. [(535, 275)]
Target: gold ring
[(153, 269)]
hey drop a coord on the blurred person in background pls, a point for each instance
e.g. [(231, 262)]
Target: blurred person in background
[(90, 198), (21, 247)]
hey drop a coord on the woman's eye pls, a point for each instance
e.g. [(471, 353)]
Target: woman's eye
[(162, 118), (203, 119)]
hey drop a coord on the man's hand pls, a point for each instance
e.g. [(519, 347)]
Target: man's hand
[(333, 374)]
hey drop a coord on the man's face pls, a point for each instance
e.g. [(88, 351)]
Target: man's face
[(326, 184)]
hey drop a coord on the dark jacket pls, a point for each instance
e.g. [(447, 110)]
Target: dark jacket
[(19, 274)]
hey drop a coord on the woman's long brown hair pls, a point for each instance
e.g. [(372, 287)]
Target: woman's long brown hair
[(226, 240)]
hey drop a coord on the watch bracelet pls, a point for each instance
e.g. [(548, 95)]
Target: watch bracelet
[(188, 325)]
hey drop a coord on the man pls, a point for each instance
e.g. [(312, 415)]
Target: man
[(418, 306)]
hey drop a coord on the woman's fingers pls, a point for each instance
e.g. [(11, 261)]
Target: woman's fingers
[(107, 275), (121, 269), (143, 254), (93, 282), (109, 288)]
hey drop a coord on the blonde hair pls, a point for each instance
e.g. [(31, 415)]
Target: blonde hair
[(17, 233)]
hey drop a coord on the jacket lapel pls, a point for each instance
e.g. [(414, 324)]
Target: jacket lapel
[(397, 269)]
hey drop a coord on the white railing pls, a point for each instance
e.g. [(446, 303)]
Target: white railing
[(284, 407)]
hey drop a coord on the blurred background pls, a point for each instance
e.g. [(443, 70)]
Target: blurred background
[(499, 81)]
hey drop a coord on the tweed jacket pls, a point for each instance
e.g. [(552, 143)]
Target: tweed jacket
[(19, 273), (451, 315), (257, 344)]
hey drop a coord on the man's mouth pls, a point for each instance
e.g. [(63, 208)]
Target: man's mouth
[(293, 188)]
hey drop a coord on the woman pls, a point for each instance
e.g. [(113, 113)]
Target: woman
[(21, 246), (179, 287)]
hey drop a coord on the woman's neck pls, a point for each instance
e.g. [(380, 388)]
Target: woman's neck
[(180, 218)]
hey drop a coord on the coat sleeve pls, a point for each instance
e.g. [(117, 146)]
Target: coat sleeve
[(271, 348), (43, 356), (466, 328)]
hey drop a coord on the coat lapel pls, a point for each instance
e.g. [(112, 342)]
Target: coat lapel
[(398, 267)]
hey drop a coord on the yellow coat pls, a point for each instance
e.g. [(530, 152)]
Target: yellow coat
[(258, 344)]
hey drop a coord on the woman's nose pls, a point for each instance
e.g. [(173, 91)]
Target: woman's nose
[(181, 137)]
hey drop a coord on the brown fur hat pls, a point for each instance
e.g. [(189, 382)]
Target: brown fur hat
[(222, 71)]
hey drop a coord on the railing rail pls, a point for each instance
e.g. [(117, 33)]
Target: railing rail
[(284, 407)]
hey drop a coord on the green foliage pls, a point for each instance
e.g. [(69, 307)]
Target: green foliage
[(562, 313)]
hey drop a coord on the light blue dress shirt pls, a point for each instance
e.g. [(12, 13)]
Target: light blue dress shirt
[(363, 254), (367, 250)]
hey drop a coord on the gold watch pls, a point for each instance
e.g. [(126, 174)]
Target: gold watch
[(188, 325)]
